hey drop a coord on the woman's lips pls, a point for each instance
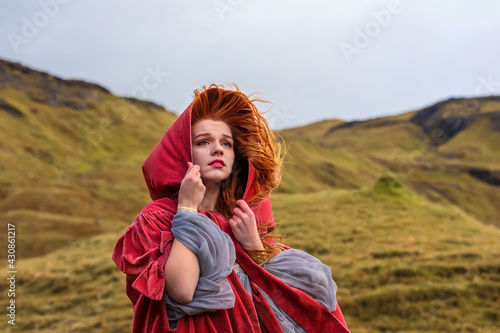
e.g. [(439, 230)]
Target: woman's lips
[(217, 163)]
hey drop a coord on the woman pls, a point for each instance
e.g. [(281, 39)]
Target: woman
[(199, 258)]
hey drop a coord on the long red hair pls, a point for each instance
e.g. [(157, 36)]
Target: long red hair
[(253, 141)]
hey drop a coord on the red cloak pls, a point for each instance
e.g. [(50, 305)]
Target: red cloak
[(142, 251)]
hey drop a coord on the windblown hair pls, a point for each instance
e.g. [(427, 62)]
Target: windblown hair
[(253, 141)]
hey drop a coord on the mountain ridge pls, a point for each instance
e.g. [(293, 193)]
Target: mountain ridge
[(22, 78)]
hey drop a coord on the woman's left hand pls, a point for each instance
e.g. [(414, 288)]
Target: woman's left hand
[(244, 227)]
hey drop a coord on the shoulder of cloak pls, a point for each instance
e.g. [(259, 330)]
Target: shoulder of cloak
[(143, 250)]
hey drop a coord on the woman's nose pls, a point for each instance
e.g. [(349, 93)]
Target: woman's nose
[(217, 149)]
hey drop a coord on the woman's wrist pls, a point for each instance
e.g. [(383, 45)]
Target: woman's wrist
[(186, 209), (254, 246), (186, 205)]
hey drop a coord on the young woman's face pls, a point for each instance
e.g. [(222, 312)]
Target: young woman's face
[(213, 150)]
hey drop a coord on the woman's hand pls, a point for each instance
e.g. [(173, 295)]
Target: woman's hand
[(244, 227), (192, 189)]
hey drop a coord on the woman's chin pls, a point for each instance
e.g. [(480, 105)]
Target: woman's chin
[(215, 179)]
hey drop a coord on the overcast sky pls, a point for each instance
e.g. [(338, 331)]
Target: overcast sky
[(313, 60)]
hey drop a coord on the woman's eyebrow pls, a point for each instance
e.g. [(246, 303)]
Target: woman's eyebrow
[(209, 134), (202, 134)]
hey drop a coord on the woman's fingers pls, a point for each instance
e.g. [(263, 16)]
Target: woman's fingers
[(244, 226), (243, 210), (243, 220), (192, 189), (244, 206), (193, 171), (235, 226), (238, 212)]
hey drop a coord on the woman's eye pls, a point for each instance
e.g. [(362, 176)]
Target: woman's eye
[(202, 142), (228, 144)]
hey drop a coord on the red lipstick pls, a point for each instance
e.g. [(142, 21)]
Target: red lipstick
[(217, 163)]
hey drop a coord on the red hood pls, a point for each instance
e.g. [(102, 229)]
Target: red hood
[(166, 166)]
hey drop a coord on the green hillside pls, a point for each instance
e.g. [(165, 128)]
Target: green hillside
[(400, 262), (403, 208), (447, 152), (70, 157)]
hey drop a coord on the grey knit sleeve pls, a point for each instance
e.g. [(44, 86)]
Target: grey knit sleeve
[(300, 270), (216, 255)]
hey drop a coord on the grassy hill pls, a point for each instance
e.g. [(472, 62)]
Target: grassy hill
[(70, 157), (403, 208), (401, 264), (447, 152)]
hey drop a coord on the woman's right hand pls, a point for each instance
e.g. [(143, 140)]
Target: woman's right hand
[(192, 190)]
